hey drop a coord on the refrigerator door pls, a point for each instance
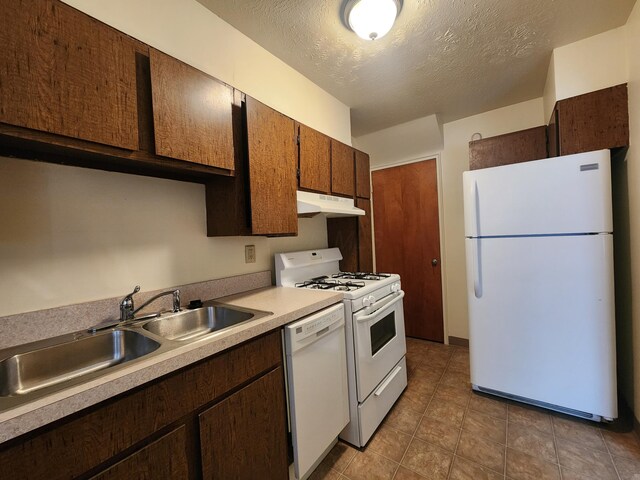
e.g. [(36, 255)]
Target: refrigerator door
[(561, 195), (541, 319)]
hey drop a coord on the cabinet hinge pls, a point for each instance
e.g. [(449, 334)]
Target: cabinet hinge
[(298, 174), (298, 139)]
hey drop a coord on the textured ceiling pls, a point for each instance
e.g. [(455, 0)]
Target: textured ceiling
[(453, 58)]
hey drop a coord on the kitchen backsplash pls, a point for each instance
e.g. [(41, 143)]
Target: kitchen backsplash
[(31, 326)]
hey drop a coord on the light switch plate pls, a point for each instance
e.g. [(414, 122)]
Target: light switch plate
[(249, 254)]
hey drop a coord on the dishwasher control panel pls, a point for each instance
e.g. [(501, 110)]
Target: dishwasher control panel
[(319, 324), (316, 324)]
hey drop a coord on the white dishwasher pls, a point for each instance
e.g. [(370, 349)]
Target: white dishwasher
[(316, 362)]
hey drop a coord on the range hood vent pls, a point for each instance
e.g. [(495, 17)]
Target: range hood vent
[(310, 204)]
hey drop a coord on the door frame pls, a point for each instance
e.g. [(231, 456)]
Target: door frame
[(438, 158)]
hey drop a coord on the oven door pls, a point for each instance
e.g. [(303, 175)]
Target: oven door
[(379, 341)]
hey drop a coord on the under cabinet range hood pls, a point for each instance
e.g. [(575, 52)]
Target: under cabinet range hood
[(310, 204)]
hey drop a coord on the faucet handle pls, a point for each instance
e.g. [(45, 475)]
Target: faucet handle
[(126, 305), (135, 290), (176, 300)]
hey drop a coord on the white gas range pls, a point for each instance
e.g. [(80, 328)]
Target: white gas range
[(375, 340)]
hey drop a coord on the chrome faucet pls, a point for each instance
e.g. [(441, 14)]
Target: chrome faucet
[(128, 311), (126, 305)]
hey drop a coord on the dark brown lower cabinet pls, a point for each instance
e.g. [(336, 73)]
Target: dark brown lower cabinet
[(227, 411), (164, 458), (240, 435)]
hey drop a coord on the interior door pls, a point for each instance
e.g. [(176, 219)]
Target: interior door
[(407, 241)]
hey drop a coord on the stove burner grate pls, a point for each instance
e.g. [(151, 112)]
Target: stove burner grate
[(361, 276), (325, 283)]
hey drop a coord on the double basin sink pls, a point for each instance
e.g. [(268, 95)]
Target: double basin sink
[(37, 369)]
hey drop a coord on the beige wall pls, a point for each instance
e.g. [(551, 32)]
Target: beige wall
[(71, 235), (402, 143), (455, 160), (590, 64)]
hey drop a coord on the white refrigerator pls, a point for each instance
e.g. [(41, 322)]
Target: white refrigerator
[(539, 257)]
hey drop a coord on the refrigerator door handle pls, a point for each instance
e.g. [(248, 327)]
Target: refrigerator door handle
[(476, 210), (477, 273)]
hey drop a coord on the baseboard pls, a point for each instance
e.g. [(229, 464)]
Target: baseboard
[(461, 342)]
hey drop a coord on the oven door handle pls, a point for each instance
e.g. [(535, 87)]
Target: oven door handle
[(381, 305)]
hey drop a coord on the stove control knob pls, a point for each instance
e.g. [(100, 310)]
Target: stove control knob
[(368, 301), (395, 287)]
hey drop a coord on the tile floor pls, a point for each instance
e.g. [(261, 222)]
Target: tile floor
[(440, 430)]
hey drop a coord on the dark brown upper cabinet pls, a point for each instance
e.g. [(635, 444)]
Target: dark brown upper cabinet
[(515, 147), (593, 121), (192, 116), (66, 73), (342, 169), (272, 157), (226, 197), (315, 160), (363, 184)]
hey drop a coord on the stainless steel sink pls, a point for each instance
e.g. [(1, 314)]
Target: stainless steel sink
[(61, 363), (192, 324), (38, 369)]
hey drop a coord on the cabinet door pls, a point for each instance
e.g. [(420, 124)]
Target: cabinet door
[(244, 437), (63, 72), (272, 170), (594, 121), (515, 147), (342, 169), (192, 115), (164, 458), (365, 248), (315, 160), (363, 184)]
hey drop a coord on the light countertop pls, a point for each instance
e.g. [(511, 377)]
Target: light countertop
[(287, 305)]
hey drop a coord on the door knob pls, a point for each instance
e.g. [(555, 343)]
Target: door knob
[(434, 262)]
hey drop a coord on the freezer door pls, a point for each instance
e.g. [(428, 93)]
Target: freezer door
[(541, 319), (570, 194)]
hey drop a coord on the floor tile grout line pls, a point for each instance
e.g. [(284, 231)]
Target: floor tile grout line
[(606, 445), (413, 435), (422, 417), (555, 445), (506, 442), (349, 462), (455, 450)]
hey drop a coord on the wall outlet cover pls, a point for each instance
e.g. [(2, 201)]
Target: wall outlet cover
[(249, 254)]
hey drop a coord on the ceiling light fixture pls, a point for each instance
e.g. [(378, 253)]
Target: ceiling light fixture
[(371, 19)]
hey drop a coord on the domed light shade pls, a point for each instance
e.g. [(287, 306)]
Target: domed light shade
[(371, 19)]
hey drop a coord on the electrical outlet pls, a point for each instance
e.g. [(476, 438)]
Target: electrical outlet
[(249, 254)]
